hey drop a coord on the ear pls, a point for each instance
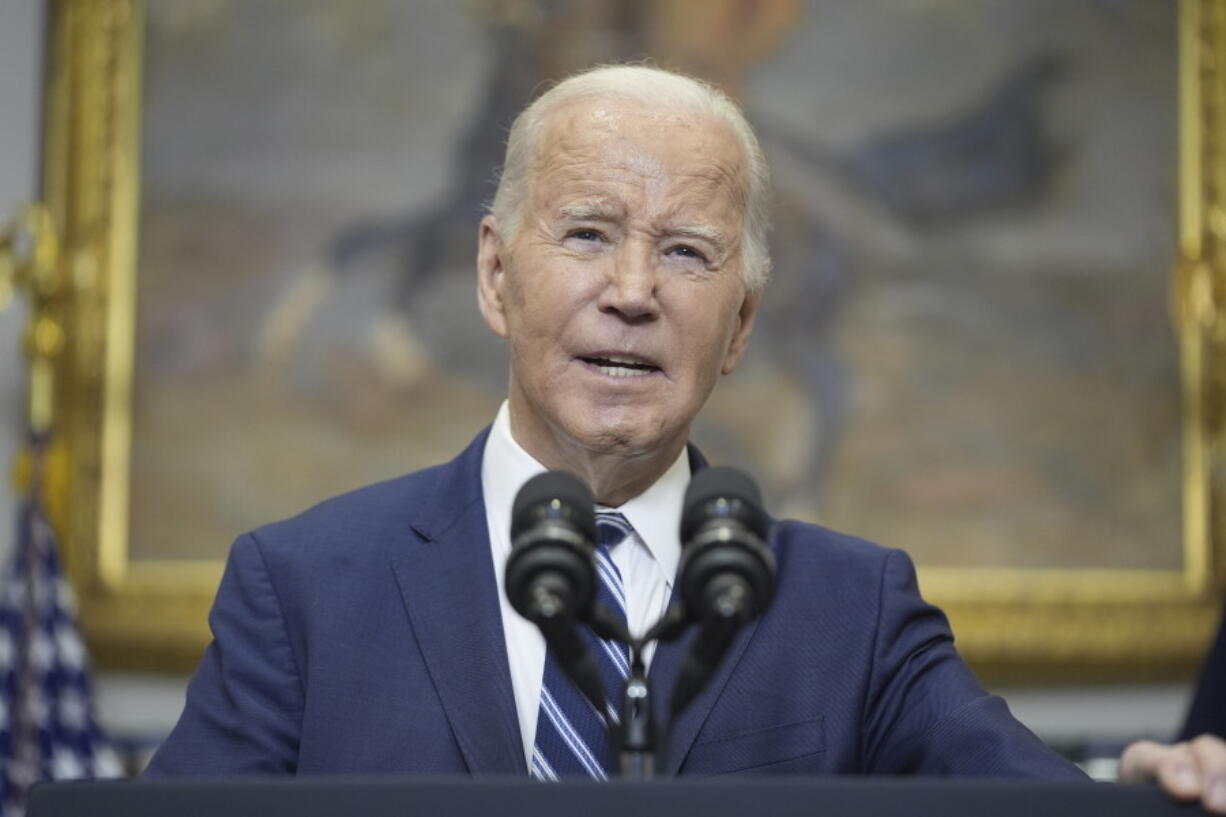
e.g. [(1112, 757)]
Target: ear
[(740, 336), (491, 276)]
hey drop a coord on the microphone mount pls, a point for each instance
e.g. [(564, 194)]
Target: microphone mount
[(725, 580)]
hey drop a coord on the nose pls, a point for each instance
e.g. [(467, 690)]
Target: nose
[(630, 287)]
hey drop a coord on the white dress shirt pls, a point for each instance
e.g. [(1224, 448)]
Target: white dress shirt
[(647, 563)]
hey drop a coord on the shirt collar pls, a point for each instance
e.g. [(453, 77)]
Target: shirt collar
[(654, 514)]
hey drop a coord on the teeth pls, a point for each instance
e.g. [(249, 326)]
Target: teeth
[(620, 365), (622, 371)]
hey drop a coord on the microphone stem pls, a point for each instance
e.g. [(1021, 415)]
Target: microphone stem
[(638, 731), (714, 637)]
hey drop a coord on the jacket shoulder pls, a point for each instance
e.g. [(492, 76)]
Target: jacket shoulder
[(804, 543)]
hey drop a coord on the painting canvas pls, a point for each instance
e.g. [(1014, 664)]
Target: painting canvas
[(966, 350)]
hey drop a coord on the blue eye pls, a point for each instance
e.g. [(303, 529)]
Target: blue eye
[(686, 251), (586, 235)]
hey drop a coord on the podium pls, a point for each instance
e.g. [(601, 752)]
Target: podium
[(743, 797)]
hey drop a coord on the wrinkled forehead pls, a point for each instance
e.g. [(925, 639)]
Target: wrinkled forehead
[(595, 141)]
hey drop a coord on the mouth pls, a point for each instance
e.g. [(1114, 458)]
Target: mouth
[(620, 365)]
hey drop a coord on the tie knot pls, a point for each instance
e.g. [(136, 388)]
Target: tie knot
[(611, 529)]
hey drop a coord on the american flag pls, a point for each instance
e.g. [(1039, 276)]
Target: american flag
[(47, 725)]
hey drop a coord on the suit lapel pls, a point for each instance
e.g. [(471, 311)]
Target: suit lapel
[(447, 582), (666, 665)]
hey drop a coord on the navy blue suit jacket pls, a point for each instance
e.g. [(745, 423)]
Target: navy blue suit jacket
[(364, 636)]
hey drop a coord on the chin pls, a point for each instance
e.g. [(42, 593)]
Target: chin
[(622, 432)]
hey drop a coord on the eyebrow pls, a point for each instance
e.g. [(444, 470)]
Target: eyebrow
[(589, 211)]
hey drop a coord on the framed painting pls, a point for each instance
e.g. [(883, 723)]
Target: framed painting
[(993, 338)]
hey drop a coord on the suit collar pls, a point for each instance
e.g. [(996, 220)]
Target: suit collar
[(448, 587)]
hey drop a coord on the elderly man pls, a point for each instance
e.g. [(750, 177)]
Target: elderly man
[(623, 263)]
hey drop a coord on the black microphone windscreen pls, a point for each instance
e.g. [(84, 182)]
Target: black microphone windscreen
[(557, 493), (711, 484)]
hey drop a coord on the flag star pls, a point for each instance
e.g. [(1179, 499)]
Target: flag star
[(106, 763), (64, 596), (72, 709), (65, 765), (72, 651), (42, 652)]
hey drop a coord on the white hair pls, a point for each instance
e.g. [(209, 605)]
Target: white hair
[(657, 88)]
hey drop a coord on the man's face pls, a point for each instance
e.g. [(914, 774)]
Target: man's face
[(621, 292)]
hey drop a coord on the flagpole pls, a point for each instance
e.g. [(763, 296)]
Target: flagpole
[(44, 667)]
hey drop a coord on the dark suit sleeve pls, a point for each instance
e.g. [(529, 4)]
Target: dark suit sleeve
[(1207, 713), (244, 705), (924, 711)]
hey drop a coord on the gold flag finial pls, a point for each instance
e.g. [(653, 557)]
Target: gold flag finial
[(30, 263)]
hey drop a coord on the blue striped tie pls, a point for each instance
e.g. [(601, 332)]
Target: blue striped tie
[(572, 738)]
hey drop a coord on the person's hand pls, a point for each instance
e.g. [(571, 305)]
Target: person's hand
[(1185, 771)]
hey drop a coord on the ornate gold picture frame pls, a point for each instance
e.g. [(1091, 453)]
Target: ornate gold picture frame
[(1011, 623)]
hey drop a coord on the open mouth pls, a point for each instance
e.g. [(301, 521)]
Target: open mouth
[(620, 365)]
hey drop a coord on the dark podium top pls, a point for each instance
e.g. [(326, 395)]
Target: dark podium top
[(377, 797)]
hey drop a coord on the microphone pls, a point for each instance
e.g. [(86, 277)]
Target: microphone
[(550, 575), (727, 573)]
